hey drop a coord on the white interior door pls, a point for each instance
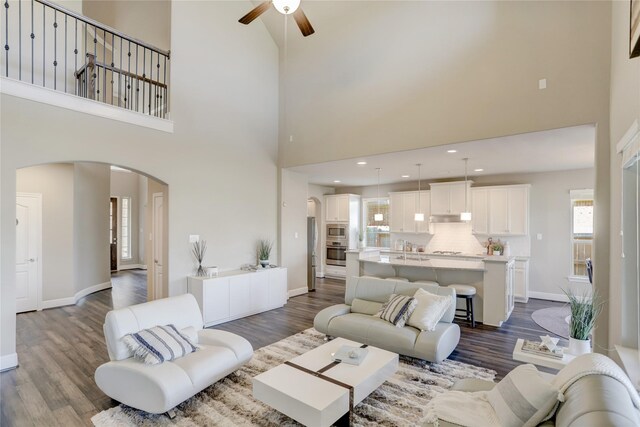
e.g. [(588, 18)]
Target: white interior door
[(28, 250), (158, 228)]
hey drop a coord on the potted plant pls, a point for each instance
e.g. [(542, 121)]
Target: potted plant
[(264, 251), (497, 249), (585, 309), (198, 250)]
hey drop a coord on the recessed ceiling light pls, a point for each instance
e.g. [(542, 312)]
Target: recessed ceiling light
[(337, 181), (478, 170), (361, 163), (452, 151), (405, 176)]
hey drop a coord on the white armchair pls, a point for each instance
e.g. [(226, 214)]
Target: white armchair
[(159, 388)]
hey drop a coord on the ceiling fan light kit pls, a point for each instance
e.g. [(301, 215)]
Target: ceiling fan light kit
[(285, 7)]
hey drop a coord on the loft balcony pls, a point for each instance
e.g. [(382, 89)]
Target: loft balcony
[(52, 47)]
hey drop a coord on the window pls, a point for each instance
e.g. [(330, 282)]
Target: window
[(125, 229), (581, 230), (376, 232)]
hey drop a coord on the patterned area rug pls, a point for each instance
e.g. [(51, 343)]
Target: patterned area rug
[(554, 320), (398, 402)]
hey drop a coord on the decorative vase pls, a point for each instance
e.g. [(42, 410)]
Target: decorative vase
[(200, 272), (496, 253), (578, 347), (361, 245), (264, 263)]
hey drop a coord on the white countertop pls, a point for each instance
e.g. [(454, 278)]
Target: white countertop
[(411, 261)]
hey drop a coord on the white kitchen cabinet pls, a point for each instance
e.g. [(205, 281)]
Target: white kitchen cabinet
[(337, 208), (448, 198), (480, 211), (402, 208), (237, 294), (521, 280), (500, 210)]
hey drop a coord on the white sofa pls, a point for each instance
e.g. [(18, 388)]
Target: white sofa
[(159, 388)]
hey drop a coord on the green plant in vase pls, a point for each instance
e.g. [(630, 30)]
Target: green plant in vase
[(585, 309), (198, 250), (264, 252), (497, 248)]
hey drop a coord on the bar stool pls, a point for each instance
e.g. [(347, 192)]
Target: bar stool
[(467, 292)]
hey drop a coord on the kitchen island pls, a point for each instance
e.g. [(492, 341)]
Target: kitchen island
[(492, 276)]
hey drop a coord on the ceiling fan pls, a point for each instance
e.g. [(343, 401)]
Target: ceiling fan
[(286, 7)]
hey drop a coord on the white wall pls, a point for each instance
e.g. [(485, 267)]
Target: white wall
[(91, 226), (55, 183), (293, 228), (625, 108), (220, 163), (127, 184)]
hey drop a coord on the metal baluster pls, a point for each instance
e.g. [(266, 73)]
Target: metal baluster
[(44, 50), (144, 62), (96, 68), (151, 77), (104, 69), (120, 76), (19, 40), (168, 98), (164, 80), (113, 64), (75, 54), (65, 53), (129, 70), (6, 35), (55, 49), (33, 36), (137, 82), (158, 87)]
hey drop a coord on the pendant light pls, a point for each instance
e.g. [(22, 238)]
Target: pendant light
[(466, 215), (378, 216), (419, 216)]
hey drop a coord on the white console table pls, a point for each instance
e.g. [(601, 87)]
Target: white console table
[(236, 294)]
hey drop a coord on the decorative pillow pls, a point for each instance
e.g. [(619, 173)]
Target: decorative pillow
[(429, 310), (397, 310), (158, 344), (523, 398)]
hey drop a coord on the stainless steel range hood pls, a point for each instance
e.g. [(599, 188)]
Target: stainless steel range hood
[(445, 218)]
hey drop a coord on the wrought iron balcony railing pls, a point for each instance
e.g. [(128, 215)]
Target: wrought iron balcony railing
[(55, 47)]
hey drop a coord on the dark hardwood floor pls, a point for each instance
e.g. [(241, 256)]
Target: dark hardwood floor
[(59, 349)]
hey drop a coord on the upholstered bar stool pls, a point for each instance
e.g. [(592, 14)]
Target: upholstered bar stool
[(467, 292)]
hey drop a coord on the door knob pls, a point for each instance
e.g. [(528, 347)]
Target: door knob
[(31, 260), (155, 261)]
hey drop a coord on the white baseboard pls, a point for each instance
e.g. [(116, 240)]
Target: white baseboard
[(83, 293), (8, 361), (548, 296), (132, 267), (61, 302), (298, 291)]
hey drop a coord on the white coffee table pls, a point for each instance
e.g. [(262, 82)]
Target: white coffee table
[(318, 400), (547, 362)]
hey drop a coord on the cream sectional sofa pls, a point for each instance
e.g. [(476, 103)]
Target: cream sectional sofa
[(364, 296)]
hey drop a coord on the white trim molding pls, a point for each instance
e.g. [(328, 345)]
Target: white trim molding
[(297, 291), (8, 361), (61, 302), (83, 105), (548, 296)]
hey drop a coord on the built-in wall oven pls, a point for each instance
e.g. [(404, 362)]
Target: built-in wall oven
[(337, 244)]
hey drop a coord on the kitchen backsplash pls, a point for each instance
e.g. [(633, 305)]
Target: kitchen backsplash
[(457, 236)]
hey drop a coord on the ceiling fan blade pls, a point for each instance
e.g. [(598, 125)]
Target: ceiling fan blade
[(303, 22), (255, 12)]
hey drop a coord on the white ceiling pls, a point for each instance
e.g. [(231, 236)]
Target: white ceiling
[(553, 150)]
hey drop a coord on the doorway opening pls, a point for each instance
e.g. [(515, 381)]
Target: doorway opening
[(84, 227)]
